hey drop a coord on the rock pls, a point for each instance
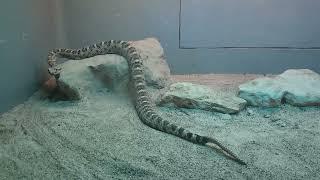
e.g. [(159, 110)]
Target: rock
[(65, 92), (299, 87), (58, 90), (156, 67), (157, 72), (188, 95), (267, 116), (114, 73), (112, 70), (250, 112)]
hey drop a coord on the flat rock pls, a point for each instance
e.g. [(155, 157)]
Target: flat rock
[(112, 71), (299, 87), (188, 95)]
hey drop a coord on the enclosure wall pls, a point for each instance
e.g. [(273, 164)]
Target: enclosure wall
[(95, 20), (28, 30)]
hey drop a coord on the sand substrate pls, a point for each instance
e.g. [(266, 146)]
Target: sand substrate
[(101, 137)]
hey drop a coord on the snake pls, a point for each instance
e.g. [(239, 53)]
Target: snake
[(141, 100)]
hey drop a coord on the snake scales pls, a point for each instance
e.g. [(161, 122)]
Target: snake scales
[(143, 104)]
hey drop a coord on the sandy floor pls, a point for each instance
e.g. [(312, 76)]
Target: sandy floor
[(101, 137)]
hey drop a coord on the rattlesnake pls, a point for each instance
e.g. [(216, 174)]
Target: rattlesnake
[(142, 102)]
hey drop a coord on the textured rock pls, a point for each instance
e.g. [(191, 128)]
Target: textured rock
[(157, 72), (188, 95), (156, 67), (58, 90), (300, 87), (112, 70)]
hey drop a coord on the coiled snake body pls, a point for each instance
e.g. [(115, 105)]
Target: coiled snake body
[(142, 102)]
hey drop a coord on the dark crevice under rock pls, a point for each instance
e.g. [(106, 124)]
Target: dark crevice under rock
[(64, 92)]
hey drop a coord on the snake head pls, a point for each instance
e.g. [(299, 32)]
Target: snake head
[(55, 71)]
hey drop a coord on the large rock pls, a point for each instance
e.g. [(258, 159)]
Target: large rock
[(188, 95), (157, 72), (112, 71), (300, 87), (156, 67)]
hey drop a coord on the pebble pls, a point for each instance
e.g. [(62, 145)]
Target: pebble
[(267, 116), (250, 112)]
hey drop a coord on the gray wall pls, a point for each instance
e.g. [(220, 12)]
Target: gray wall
[(27, 32), (91, 21), (250, 23)]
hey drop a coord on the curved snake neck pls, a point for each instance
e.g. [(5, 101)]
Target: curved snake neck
[(143, 104)]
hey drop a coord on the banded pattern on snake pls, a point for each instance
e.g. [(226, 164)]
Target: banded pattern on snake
[(142, 102)]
